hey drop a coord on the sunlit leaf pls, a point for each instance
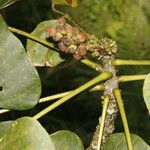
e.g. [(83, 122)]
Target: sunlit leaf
[(5, 3), (39, 54), (72, 3), (4, 127), (146, 92), (66, 140), (118, 142), (26, 134), (20, 85)]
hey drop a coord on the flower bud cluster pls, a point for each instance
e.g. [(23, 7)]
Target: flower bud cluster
[(101, 47), (72, 40)]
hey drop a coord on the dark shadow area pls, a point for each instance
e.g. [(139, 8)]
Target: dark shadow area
[(1, 88)]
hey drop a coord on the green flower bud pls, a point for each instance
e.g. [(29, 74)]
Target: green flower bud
[(72, 49), (57, 36)]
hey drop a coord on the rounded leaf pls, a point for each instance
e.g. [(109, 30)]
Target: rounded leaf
[(26, 134), (117, 141), (146, 92), (66, 140), (20, 86), (4, 127), (40, 54)]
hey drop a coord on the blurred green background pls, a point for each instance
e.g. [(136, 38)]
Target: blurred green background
[(125, 21)]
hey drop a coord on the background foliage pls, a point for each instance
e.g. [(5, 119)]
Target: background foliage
[(127, 22)]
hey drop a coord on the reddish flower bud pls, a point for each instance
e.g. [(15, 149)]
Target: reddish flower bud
[(57, 36), (81, 37), (62, 47), (82, 49), (50, 31), (72, 31), (62, 29), (66, 41), (76, 56), (72, 49), (61, 21)]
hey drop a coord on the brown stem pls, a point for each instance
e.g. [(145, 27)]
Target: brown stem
[(112, 109)]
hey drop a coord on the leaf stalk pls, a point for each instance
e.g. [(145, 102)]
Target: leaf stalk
[(119, 62), (119, 100), (104, 112)]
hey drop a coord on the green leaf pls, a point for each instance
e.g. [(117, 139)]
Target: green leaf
[(72, 3), (4, 127), (118, 142), (26, 134), (39, 54), (66, 140), (5, 3), (20, 85), (146, 92)]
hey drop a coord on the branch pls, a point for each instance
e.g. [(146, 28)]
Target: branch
[(117, 94), (119, 62), (101, 77), (104, 112)]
